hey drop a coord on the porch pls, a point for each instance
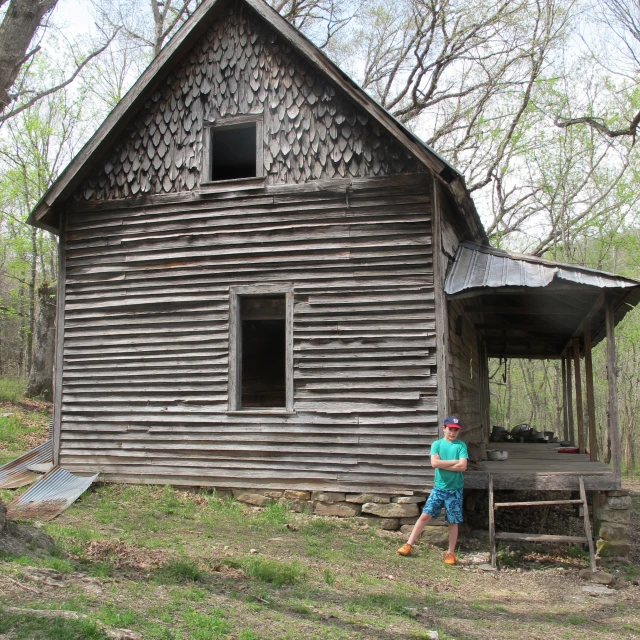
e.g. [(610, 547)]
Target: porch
[(539, 466)]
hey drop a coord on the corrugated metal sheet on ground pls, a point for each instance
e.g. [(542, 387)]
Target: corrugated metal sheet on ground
[(50, 496), (478, 266), (17, 473)]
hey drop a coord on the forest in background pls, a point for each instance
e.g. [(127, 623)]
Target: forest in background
[(536, 102)]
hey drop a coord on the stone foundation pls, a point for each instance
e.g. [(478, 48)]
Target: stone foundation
[(389, 512), (611, 523)]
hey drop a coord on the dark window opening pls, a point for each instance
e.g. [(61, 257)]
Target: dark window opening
[(263, 379), (233, 152)]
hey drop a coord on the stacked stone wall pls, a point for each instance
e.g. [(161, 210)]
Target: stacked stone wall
[(612, 524)]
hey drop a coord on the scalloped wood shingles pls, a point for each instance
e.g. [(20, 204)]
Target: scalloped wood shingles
[(240, 67)]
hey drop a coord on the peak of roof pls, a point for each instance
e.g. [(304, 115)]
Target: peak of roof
[(45, 214)]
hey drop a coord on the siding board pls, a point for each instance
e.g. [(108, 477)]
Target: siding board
[(145, 384)]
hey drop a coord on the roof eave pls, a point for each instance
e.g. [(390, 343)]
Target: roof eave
[(171, 54)]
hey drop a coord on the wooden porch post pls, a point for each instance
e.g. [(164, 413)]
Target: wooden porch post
[(579, 409), (572, 437), (565, 417), (591, 404), (612, 381)]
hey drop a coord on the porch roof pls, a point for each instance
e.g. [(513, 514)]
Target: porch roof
[(529, 307)]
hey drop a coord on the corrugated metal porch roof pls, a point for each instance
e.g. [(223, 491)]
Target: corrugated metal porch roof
[(529, 307), (478, 266)]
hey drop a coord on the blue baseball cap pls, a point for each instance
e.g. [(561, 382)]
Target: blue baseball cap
[(452, 422)]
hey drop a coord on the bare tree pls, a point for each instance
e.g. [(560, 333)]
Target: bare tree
[(150, 23), (620, 20), (23, 26)]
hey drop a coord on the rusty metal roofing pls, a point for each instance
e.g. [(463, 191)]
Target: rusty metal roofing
[(50, 496), (478, 266), (18, 473)]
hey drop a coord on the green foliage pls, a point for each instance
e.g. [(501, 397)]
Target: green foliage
[(32, 627), (206, 626), (12, 390), (275, 572), (13, 432), (179, 572)]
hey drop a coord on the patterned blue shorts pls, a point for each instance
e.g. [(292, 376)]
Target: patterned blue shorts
[(451, 499)]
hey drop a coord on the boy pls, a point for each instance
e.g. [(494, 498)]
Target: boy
[(449, 459)]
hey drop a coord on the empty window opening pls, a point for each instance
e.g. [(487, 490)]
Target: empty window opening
[(263, 351), (233, 152)]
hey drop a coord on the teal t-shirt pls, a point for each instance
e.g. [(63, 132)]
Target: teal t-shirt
[(455, 450)]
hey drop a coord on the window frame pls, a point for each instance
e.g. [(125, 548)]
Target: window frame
[(232, 122), (235, 346)]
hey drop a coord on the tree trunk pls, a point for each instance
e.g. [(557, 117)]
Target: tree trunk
[(41, 375), (19, 26)]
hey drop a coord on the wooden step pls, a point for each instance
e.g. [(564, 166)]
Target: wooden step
[(539, 537), (535, 503)]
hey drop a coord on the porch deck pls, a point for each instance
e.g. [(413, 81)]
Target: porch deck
[(540, 466)]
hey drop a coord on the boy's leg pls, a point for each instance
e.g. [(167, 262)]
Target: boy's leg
[(405, 549), (418, 527), (453, 537)]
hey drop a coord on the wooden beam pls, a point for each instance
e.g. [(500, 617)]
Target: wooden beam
[(528, 311), (59, 355), (591, 404), (572, 437), (586, 318), (441, 310), (612, 381), (565, 416), (579, 409)]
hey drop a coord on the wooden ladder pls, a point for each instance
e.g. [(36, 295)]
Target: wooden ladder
[(536, 537)]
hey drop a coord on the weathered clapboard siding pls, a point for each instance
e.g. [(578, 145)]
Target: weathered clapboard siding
[(310, 130), (146, 362), (465, 377)]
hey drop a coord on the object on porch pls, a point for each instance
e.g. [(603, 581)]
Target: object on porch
[(497, 454)]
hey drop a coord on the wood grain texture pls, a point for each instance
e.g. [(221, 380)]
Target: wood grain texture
[(146, 346), (240, 67)]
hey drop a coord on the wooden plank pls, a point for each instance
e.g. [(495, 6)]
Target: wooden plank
[(572, 438), (60, 340), (587, 526), (579, 408), (565, 413), (492, 526), (591, 404), (440, 302), (535, 503), (540, 481), (612, 389), (539, 537)]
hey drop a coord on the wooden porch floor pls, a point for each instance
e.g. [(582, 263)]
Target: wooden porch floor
[(539, 466)]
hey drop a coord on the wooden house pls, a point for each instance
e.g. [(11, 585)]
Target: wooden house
[(253, 257)]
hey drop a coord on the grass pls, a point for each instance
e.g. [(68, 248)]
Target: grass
[(274, 572), (32, 627), (12, 389), (179, 572), (172, 564)]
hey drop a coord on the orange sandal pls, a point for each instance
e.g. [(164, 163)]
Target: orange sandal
[(449, 558), (405, 549)]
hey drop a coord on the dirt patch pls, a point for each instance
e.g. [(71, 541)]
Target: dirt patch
[(21, 539), (125, 556)]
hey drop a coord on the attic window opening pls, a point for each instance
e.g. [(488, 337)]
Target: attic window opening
[(232, 151)]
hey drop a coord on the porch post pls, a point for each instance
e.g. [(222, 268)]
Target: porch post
[(579, 410), (572, 437), (591, 405), (612, 381), (565, 417)]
